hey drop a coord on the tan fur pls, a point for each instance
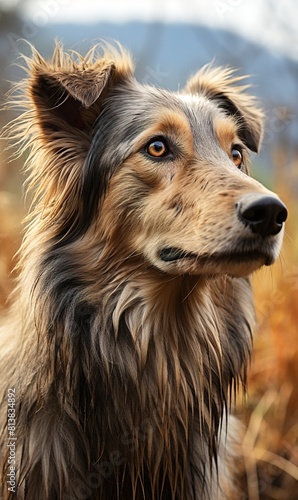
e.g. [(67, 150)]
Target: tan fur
[(123, 363)]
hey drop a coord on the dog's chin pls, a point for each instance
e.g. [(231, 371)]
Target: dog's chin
[(238, 264)]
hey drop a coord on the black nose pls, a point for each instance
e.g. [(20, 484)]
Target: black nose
[(264, 215)]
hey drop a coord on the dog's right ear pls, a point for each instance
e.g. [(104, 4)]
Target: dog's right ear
[(68, 91), (221, 85)]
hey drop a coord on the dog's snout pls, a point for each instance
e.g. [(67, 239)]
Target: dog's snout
[(264, 215)]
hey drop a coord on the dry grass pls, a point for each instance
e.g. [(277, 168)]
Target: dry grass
[(270, 447), (10, 219)]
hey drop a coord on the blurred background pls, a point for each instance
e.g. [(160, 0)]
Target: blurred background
[(170, 40)]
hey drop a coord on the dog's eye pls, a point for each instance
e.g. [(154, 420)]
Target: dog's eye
[(157, 148), (237, 156)]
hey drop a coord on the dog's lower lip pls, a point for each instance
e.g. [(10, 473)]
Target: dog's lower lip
[(174, 254)]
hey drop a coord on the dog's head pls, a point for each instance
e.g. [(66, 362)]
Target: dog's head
[(161, 177)]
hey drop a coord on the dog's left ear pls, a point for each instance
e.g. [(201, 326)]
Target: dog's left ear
[(221, 85)]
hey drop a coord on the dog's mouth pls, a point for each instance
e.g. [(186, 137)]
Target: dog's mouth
[(174, 254), (171, 254)]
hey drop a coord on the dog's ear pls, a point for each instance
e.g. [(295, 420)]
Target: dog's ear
[(221, 85), (68, 91)]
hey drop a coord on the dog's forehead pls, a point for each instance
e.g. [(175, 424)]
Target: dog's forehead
[(147, 105), (144, 103), (201, 114), (194, 106), (193, 100)]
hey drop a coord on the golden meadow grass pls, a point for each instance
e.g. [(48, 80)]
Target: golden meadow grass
[(270, 447)]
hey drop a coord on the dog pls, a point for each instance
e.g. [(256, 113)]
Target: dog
[(132, 320)]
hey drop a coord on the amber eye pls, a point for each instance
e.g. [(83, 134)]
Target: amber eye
[(237, 156), (157, 148)]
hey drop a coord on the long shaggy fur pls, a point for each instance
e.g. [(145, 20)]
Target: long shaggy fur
[(123, 363)]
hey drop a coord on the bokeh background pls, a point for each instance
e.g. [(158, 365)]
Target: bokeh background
[(170, 40)]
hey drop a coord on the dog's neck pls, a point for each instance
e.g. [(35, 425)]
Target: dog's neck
[(139, 310), (172, 344)]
